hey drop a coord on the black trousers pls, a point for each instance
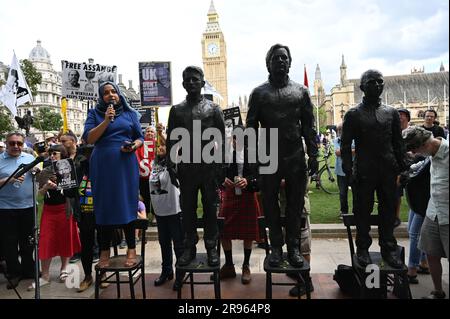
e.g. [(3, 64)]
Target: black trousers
[(169, 231), (87, 238), (195, 177), (16, 228), (343, 184), (106, 234), (295, 187), (364, 188)]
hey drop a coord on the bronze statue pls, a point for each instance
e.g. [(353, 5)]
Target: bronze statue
[(25, 122), (379, 158), (285, 105), (196, 175)]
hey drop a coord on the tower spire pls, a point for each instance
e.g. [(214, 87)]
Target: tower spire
[(212, 9), (343, 62), (318, 75), (343, 72)]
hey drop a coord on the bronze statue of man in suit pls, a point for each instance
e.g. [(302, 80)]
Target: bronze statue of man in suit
[(282, 104), (196, 175), (379, 158)]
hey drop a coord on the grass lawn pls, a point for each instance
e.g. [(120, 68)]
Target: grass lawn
[(325, 207)]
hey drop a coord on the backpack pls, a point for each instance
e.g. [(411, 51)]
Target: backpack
[(345, 277)]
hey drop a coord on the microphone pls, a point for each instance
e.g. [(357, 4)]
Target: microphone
[(111, 103), (26, 167)]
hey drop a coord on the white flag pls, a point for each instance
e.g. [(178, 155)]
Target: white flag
[(209, 89), (16, 91)]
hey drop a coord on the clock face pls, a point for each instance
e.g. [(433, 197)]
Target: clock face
[(213, 49)]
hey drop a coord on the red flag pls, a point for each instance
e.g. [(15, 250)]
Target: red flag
[(305, 79)]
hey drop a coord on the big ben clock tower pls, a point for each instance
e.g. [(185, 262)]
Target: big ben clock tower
[(214, 54)]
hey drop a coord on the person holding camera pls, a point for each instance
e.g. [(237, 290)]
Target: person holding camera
[(114, 129)]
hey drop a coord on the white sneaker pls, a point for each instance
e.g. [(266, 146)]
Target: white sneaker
[(42, 283)]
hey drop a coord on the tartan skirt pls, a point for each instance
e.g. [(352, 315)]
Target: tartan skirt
[(241, 214)]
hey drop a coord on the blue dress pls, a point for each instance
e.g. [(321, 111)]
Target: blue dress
[(114, 174)]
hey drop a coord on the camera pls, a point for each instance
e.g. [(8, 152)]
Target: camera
[(40, 147)]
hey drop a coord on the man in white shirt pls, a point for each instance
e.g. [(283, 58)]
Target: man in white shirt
[(434, 239)]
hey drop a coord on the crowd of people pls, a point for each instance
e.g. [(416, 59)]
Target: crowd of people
[(124, 173)]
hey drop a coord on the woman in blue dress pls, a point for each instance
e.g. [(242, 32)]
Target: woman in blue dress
[(115, 130)]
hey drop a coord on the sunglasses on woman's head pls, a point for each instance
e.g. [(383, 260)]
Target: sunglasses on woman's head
[(13, 143)]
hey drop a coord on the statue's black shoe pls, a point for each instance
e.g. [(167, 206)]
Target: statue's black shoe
[(163, 278), (178, 283), (13, 282), (363, 257), (276, 256), (187, 256), (392, 259), (295, 258), (213, 257)]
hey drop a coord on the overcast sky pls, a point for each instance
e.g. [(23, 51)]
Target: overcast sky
[(392, 36)]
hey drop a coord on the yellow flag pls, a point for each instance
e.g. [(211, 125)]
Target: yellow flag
[(64, 114)]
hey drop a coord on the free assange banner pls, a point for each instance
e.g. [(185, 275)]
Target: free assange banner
[(81, 80), (65, 173), (232, 117), (155, 83)]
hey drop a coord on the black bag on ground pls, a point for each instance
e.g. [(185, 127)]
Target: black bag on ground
[(345, 277)]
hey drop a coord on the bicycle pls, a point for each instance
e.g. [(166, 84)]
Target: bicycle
[(326, 177)]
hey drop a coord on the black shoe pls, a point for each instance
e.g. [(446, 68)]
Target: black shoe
[(295, 258), (397, 222), (363, 257), (435, 295), (413, 279), (276, 256), (178, 283), (263, 245), (423, 270), (187, 256), (392, 259), (163, 278), (213, 257), (300, 289), (13, 282), (75, 258)]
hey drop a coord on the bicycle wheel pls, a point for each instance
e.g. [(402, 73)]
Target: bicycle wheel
[(328, 180)]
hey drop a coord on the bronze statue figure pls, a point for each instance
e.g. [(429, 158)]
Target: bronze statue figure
[(379, 158), (285, 105), (200, 175), (25, 122)]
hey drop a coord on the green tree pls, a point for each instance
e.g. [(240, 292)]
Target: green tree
[(33, 76), (5, 125), (47, 120), (322, 120)]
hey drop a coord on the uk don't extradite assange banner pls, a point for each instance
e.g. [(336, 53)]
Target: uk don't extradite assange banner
[(155, 83), (81, 80)]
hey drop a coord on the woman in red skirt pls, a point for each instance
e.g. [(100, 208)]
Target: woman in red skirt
[(58, 231), (240, 208)]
